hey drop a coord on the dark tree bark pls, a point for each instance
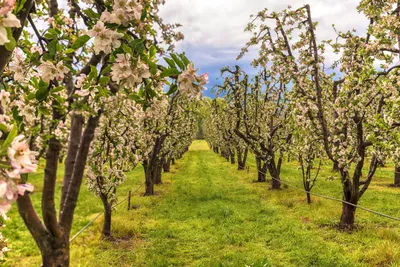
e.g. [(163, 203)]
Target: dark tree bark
[(242, 158), (16, 32), (106, 232), (397, 177), (158, 174), (335, 167), (77, 122), (232, 157), (308, 197), (167, 165), (173, 161), (148, 173), (348, 215), (262, 170), (54, 249)]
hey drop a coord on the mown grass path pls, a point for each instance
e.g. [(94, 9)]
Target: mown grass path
[(210, 214), (206, 213)]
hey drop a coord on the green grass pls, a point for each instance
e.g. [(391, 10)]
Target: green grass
[(207, 213)]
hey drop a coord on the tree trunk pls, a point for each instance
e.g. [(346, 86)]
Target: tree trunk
[(308, 197), (173, 161), (347, 218), (397, 177), (275, 175), (149, 181), (54, 250), (261, 169), (335, 167), (167, 165), (232, 158), (157, 173), (106, 232), (240, 160), (56, 257)]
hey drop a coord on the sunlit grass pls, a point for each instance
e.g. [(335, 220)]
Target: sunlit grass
[(207, 213)]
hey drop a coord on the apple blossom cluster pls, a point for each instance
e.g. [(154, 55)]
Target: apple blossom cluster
[(125, 72), (190, 83), (21, 160), (7, 21), (123, 12), (105, 40)]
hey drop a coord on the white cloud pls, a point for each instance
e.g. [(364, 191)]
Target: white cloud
[(216, 26)]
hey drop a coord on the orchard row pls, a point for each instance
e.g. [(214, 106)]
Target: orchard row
[(95, 85), (296, 106)]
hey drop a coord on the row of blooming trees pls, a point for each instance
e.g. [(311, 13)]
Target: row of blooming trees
[(294, 106), (86, 72)]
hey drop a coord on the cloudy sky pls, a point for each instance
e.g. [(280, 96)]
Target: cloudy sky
[(214, 33)]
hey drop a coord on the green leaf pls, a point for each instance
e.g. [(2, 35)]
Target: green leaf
[(52, 46), (12, 43), (106, 70), (153, 51), (127, 49), (185, 60), (171, 72), (144, 15), (69, 51), (104, 80), (10, 137), (93, 73), (20, 6), (57, 89), (81, 41), (170, 62), (43, 91), (178, 61), (91, 14), (3, 128), (172, 89), (44, 111), (152, 67)]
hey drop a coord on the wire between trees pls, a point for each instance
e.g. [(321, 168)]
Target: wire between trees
[(335, 199), (98, 215)]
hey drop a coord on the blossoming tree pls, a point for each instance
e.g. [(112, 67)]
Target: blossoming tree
[(64, 67), (354, 130)]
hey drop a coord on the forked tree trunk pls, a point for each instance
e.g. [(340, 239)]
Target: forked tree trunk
[(275, 175), (261, 170), (54, 250), (351, 196), (56, 257), (347, 218), (397, 177), (242, 158)]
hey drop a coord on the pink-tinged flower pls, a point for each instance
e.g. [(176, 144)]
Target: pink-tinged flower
[(49, 72), (7, 21), (20, 157), (5, 206), (104, 39), (8, 6), (25, 187), (80, 80), (204, 79)]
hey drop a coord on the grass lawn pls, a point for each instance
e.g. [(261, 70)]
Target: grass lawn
[(207, 213)]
